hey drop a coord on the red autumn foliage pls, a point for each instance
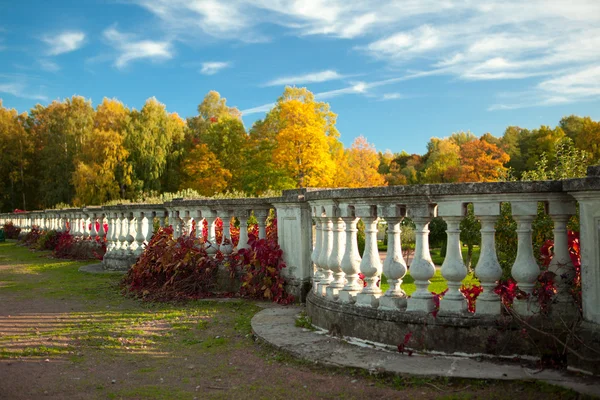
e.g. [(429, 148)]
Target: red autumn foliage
[(172, 269), (261, 266), (11, 231), (471, 293)]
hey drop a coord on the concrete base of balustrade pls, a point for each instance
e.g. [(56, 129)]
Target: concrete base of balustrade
[(118, 262), (459, 334), (298, 288)]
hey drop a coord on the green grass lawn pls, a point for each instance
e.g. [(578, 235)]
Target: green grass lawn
[(438, 283)]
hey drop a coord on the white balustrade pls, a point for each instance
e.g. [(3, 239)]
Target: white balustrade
[(351, 260), (317, 274)]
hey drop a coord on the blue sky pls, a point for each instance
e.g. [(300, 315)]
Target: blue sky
[(396, 72)]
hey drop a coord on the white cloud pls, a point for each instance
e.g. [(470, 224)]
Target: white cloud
[(48, 65), (64, 42), (538, 40), (131, 49), (19, 90), (211, 68), (313, 77)]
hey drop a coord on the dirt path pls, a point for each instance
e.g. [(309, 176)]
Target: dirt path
[(65, 334)]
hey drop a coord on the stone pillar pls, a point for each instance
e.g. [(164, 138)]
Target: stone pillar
[(589, 231), (370, 265), (94, 229), (394, 266), (243, 240), (351, 259), (334, 260), (123, 233), (421, 268), (561, 264), (294, 236), (453, 268), (525, 270), (488, 268)]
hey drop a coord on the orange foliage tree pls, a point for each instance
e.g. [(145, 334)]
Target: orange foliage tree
[(481, 161)]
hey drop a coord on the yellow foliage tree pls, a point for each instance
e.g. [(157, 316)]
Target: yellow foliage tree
[(303, 148), (204, 172), (359, 168)]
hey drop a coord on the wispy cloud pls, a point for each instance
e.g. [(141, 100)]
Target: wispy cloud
[(48, 65), (212, 67), (130, 48), (260, 109), (64, 42), (312, 77), (391, 96), (20, 90)]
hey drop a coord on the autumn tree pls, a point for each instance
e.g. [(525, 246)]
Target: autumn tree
[(206, 175), (102, 172), (361, 166), (481, 161)]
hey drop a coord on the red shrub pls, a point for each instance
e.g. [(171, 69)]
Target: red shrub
[(11, 231)]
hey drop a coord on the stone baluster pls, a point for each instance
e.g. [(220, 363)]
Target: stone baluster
[(370, 265), (226, 247), (317, 273), (131, 234), (561, 264), (351, 260), (327, 234), (421, 268), (453, 268), (196, 216), (86, 225), (110, 236), (243, 240), (394, 266), (261, 218), (137, 246), (211, 241), (338, 247), (488, 269), (525, 269), (101, 231), (175, 222), (124, 232), (189, 223), (162, 216), (94, 228), (150, 231), (66, 226), (76, 225)]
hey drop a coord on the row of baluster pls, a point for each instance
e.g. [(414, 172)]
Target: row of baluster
[(338, 263)]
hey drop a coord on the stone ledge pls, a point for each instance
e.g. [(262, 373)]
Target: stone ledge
[(276, 326)]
